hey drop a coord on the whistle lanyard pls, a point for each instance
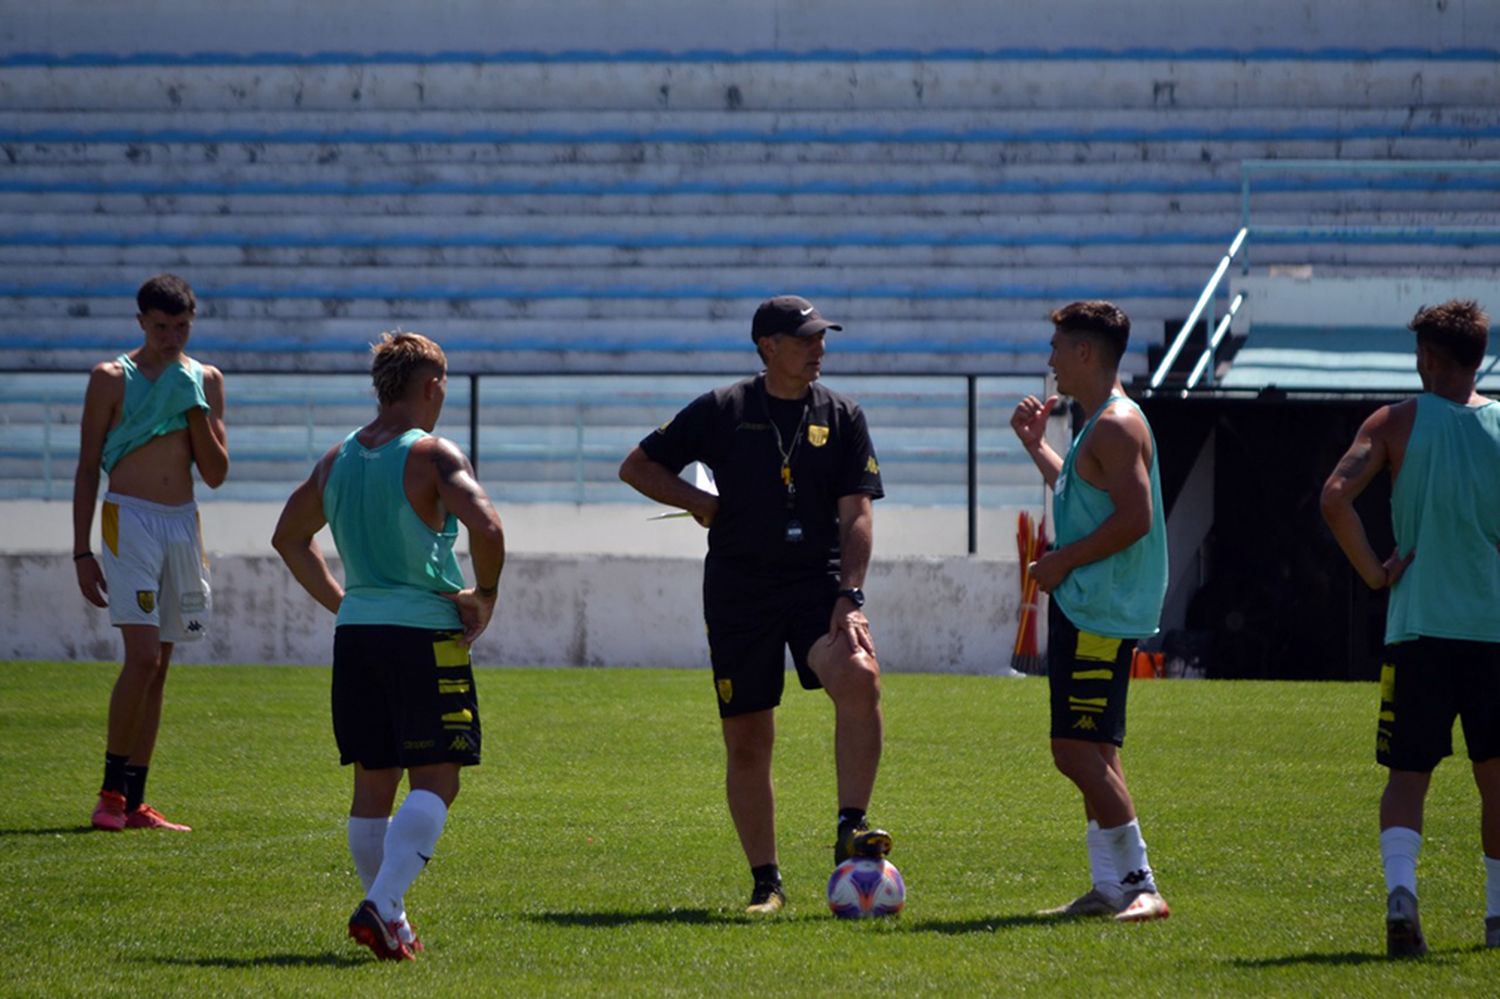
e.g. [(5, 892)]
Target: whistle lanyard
[(786, 452)]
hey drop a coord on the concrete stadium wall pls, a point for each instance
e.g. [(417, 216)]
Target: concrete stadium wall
[(68, 26), (927, 614)]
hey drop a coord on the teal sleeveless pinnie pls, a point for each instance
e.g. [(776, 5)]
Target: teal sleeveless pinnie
[(1445, 506), (1119, 596), (152, 408), (396, 568)]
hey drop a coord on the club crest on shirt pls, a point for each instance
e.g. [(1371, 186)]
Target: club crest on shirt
[(146, 600), (817, 436)]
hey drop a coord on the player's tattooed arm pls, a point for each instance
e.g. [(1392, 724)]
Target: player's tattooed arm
[(1367, 456)]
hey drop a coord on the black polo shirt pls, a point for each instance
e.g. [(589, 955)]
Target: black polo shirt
[(730, 431)]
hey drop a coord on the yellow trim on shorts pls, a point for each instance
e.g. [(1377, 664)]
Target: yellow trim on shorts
[(1387, 681), (109, 527), (1094, 674), (458, 716), (447, 652), (1096, 648), (1088, 702)]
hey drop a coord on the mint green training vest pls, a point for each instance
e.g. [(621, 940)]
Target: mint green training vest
[(395, 566), (1445, 505), (1119, 596), (152, 408)]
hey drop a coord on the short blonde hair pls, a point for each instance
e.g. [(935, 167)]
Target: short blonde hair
[(399, 358)]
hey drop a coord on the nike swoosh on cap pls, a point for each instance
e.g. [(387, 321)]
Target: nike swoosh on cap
[(805, 311)]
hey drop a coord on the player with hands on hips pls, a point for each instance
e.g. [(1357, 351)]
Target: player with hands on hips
[(393, 495)]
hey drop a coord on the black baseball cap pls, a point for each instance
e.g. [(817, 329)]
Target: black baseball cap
[(789, 314)]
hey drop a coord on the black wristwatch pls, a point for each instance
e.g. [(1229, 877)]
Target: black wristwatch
[(855, 595)]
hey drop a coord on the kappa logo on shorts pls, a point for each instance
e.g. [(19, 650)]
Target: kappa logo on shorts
[(726, 690), (460, 744), (146, 600), (1086, 722), (194, 627), (817, 436)]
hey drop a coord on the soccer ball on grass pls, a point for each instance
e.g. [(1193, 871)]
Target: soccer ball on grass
[(865, 887)]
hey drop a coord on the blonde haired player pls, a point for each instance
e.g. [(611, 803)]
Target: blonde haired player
[(403, 687)]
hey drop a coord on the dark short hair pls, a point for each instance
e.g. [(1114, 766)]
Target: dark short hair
[(1104, 322), (399, 358), (166, 292), (1459, 328)]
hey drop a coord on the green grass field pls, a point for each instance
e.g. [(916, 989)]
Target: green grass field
[(592, 853)]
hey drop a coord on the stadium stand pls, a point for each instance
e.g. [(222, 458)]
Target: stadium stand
[(598, 211)]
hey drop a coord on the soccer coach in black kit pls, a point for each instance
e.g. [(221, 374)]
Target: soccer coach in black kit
[(789, 539)]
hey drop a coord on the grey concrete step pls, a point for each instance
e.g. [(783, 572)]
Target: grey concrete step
[(1104, 121), (770, 85), (631, 265), (843, 201)]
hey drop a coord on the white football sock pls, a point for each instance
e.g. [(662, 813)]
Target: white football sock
[(1128, 850), (409, 842), (367, 847), (1491, 887), (1399, 847), (1102, 862)]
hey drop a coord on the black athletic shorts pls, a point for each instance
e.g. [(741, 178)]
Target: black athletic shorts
[(1088, 677), (752, 620), (403, 697), (1424, 685)]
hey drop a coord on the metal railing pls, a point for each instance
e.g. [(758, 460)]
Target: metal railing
[(970, 422), (1203, 307)]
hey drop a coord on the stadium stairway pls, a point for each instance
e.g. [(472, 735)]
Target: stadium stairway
[(599, 212), (624, 211)]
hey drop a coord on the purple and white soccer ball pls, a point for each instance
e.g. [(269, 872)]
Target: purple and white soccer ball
[(864, 887)]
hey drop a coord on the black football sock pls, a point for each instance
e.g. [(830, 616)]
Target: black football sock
[(851, 816), (114, 773), (766, 874), (135, 787)]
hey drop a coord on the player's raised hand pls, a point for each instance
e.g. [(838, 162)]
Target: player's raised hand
[(1029, 420), (91, 581)]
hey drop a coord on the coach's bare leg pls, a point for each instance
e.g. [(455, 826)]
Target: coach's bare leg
[(1094, 768), (1401, 803), (144, 668), (748, 742), (1487, 776), (852, 681)]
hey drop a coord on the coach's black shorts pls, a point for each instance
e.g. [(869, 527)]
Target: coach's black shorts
[(403, 697), (752, 619), (1088, 677), (1424, 685)]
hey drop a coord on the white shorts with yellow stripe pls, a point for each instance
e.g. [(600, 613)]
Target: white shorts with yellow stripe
[(154, 564)]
